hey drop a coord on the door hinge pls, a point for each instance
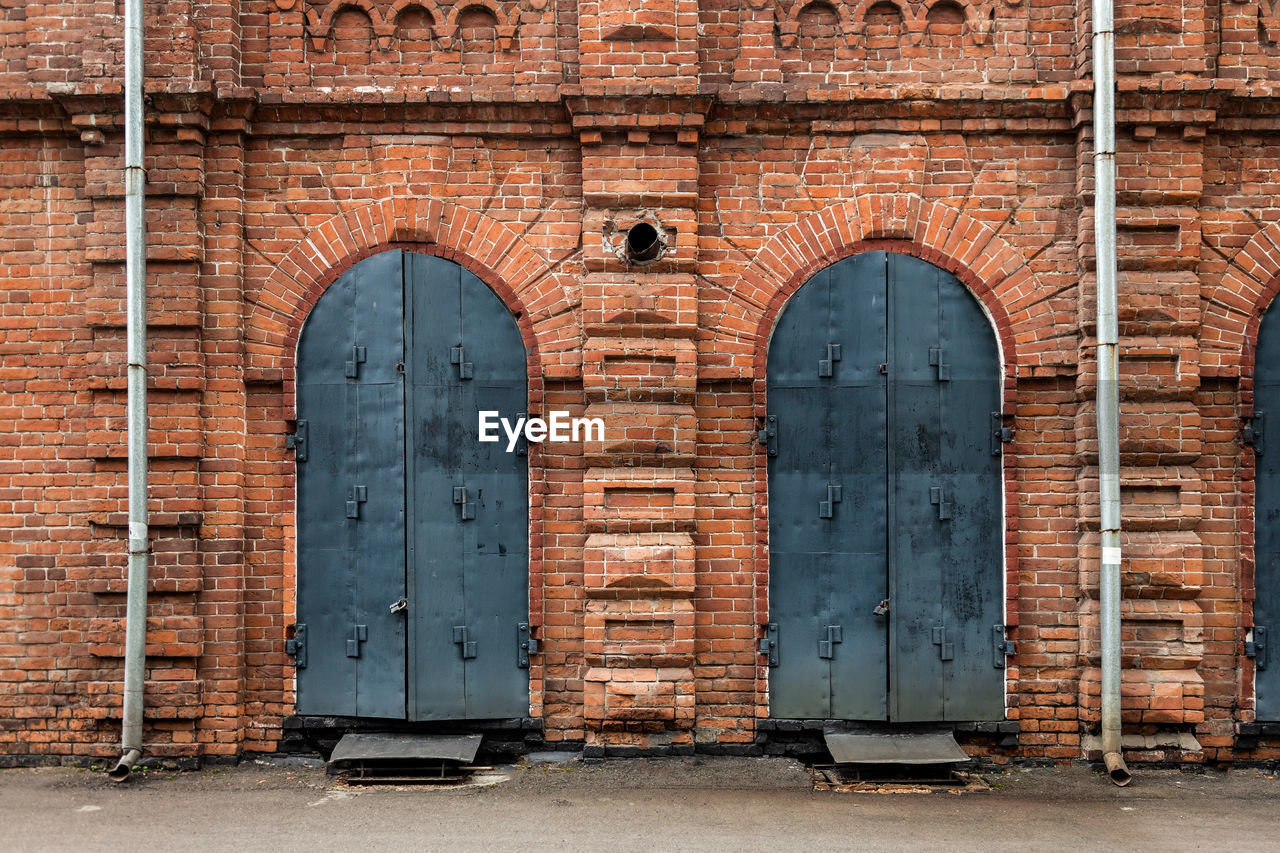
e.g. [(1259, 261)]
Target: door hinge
[(462, 637), (1257, 647), (944, 506), (522, 443), (1000, 434), (359, 634), (298, 441), (1255, 432), (827, 647), (827, 508), (1000, 646), (525, 645), (769, 643), (935, 359), (457, 355), (463, 499), (769, 435), (358, 356), (826, 366), (297, 646), (946, 651), (356, 495)]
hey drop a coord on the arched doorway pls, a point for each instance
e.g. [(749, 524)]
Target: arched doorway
[(1266, 449), (412, 534), (885, 533)]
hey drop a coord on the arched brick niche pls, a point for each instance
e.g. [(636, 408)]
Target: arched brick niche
[(537, 298), (995, 272)]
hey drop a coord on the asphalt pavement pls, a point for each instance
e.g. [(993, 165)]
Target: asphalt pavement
[(694, 804)]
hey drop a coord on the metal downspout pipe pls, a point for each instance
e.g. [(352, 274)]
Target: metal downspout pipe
[(136, 330), (1108, 391)]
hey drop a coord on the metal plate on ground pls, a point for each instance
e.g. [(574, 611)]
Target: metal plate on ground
[(913, 748), (401, 747), (895, 779)]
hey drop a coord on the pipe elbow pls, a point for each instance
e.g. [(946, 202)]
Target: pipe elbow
[(1117, 772), (124, 766)]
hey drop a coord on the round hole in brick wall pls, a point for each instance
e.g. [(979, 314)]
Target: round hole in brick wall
[(643, 243)]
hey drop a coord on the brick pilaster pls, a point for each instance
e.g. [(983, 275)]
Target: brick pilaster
[(639, 369), (1161, 124)]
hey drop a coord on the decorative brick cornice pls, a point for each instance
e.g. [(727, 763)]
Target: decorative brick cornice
[(979, 17), (385, 17)]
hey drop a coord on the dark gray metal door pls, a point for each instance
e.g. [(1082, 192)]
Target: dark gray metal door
[(884, 498), (442, 589), (946, 541), (828, 495), (1266, 447), (351, 563), (467, 500)]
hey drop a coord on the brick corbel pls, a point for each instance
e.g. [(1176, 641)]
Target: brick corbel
[(94, 116), (658, 112)]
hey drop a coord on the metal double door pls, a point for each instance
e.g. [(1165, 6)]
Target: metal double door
[(412, 534), (885, 535)]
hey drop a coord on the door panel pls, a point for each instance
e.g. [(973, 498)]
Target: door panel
[(470, 559), (800, 585), (918, 532), (828, 572), (351, 497), (325, 586), (973, 588), (436, 542), (898, 419), (495, 550), (1266, 605), (856, 433)]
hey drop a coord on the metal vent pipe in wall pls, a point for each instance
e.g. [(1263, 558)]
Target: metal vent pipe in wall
[(643, 243), (135, 641), (1108, 391)]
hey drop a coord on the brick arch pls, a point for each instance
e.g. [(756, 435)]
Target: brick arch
[(320, 24), (975, 17), (912, 23), (989, 267), (993, 271), (496, 254), (488, 248), (841, 10), (429, 6), (505, 23), (1233, 309)]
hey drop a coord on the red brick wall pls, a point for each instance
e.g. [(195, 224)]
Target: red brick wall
[(287, 139)]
